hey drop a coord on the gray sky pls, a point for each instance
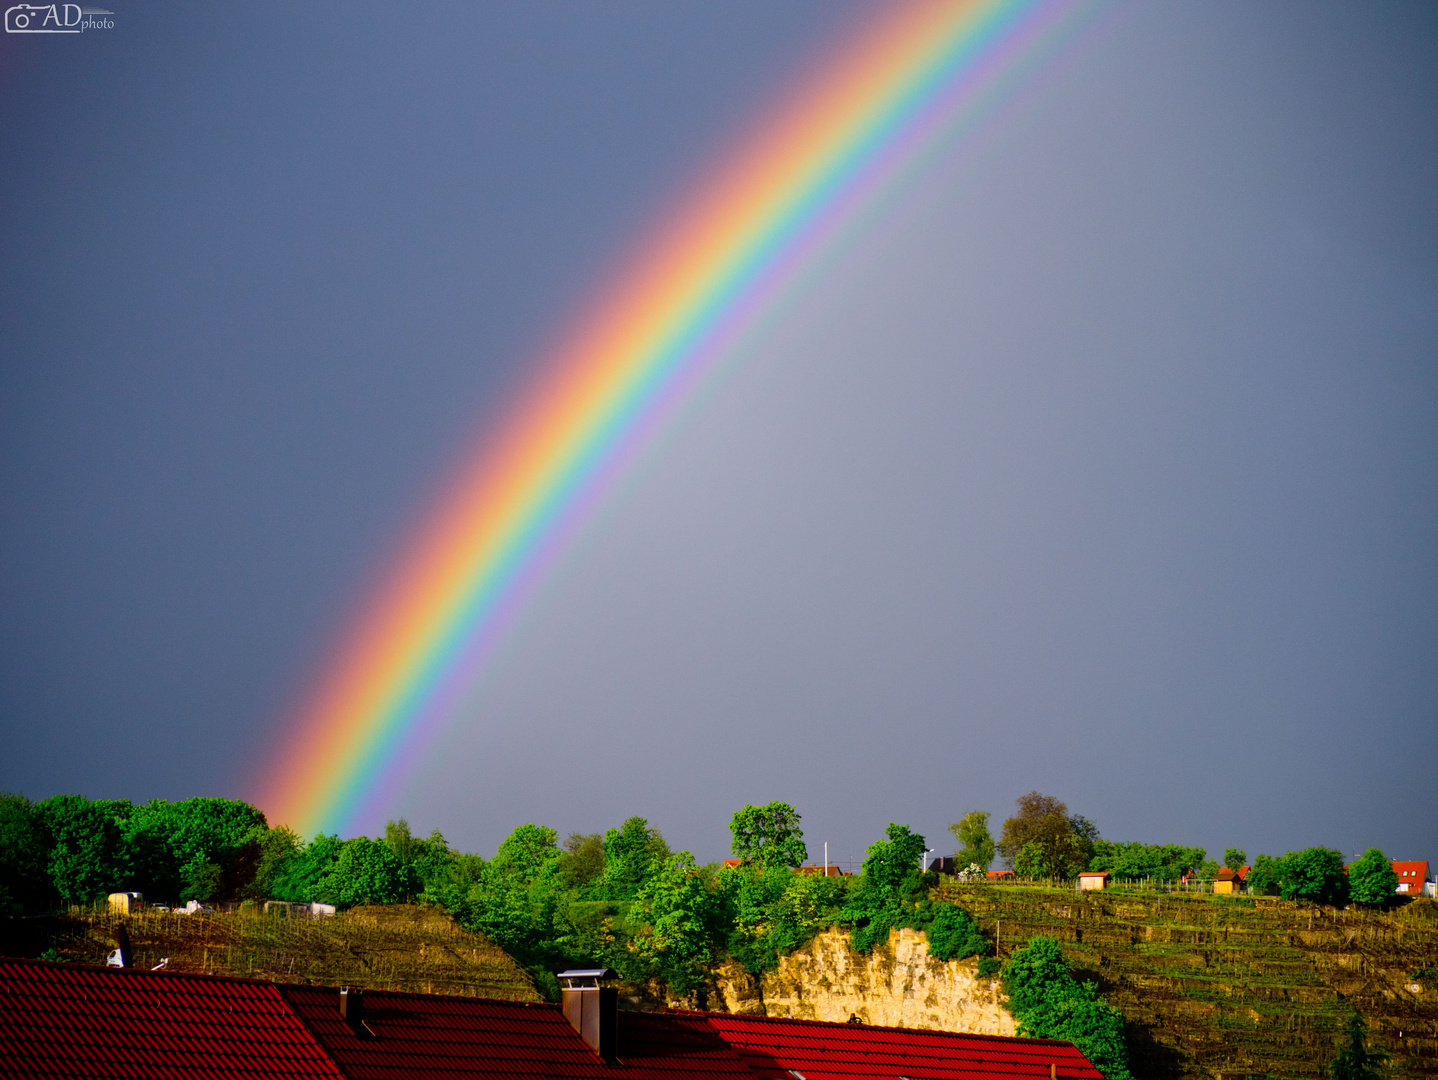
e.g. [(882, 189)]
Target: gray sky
[(1101, 462)]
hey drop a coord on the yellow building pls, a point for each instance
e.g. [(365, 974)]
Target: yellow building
[(1228, 881)]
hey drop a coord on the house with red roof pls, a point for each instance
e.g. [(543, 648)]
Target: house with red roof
[(1411, 876), (72, 1020)]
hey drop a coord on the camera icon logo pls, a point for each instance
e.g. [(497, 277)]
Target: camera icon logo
[(43, 19)]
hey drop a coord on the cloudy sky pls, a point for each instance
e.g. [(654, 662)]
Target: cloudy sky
[(1102, 461)]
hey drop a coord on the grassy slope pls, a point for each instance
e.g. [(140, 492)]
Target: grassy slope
[(1217, 986), (393, 948)]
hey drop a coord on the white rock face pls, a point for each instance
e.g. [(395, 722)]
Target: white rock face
[(898, 985)]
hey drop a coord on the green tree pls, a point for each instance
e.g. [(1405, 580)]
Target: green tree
[(200, 849), (87, 853), (444, 876), (1049, 1003), (889, 891), (971, 832), (526, 851), (1265, 879), (1314, 874), (516, 899), (1371, 879), (279, 848), (366, 872), (1167, 862), (583, 860), (298, 879), (1085, 838), (1032, 861), (633, 853), (400, 840), (1356, 1061), (203, 881), (768, 835), (1045, 821), (1235, 858), (892, 864), (774, 911), (680, 923), (24, 857)]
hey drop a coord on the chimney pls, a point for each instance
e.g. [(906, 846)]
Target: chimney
[(352, 1009), (122, 940), (592, 1010)]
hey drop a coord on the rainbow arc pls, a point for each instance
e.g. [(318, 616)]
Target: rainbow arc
[(709, 270)]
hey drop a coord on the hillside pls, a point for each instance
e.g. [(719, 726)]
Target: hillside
[(1212, 987), (397, 947), (1229, 987)]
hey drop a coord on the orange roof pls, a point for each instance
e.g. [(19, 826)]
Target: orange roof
[(1412, 871)]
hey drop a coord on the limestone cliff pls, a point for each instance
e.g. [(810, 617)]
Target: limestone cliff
[(898, 985)]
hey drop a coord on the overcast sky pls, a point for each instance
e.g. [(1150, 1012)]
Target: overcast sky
[(1102, 461)]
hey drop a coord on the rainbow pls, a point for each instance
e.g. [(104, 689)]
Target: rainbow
[(698, 283)]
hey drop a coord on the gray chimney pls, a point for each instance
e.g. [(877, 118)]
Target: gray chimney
[(592, 1010)]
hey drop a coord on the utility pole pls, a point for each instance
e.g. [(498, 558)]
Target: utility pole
[(826, 858)]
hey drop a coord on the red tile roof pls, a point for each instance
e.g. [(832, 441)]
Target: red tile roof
[(779, 1049), (1413, 874), (76, 1021), (441, 1037), (68, 1020)]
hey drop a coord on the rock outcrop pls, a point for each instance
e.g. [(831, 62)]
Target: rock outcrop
[(898, 985)]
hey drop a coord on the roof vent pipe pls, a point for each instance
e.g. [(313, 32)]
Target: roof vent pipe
[(592, 1010)]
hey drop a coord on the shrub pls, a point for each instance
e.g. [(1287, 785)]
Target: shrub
[(1049, 1003), (953, 935)]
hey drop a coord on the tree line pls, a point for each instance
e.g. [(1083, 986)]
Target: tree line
[(1043, 840)]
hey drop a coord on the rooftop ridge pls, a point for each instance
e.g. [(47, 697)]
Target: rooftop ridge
[(1004, 1039)]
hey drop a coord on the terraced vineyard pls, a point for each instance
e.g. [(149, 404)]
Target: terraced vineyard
[(395, 947), (1229, 987)]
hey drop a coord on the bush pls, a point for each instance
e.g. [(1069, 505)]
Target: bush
[(1049, 1003), (953, 935)]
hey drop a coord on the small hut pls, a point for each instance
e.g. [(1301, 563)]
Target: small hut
[(1093, 879), (1227, 881)]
